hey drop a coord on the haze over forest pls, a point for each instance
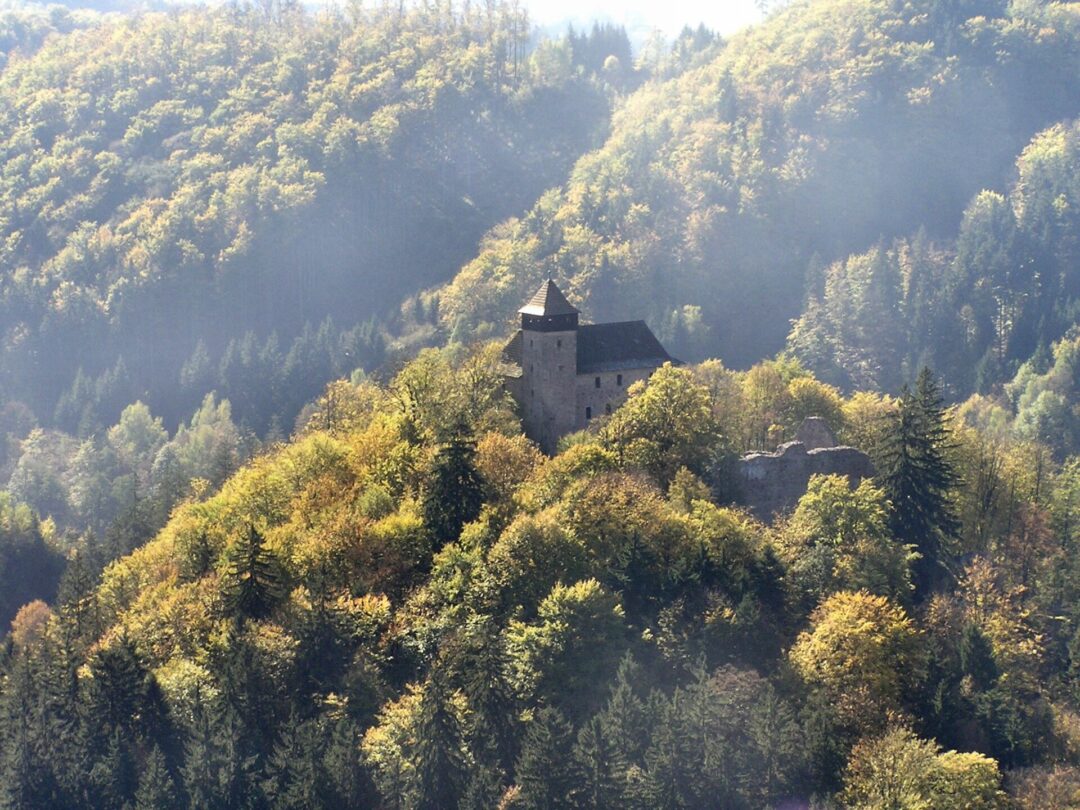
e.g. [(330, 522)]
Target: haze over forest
[(271, 534)]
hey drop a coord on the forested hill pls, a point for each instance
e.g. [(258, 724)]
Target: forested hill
[(170, 183), (832, 126), (409, 606)]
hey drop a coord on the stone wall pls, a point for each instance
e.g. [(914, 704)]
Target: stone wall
[(772, 483), (546, 390), (608, 396)]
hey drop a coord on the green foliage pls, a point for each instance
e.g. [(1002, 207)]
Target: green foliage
[(918, 480), (664, 426), (157, 167), (839, 539), (294, 638), (813, 134), (455, 492), (899, 770), (252, 578)]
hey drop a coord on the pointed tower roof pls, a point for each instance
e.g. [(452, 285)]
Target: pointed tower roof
[(548, 301)]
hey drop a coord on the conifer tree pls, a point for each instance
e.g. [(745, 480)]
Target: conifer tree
[(253, 577), (623, 718), (493, 735), (156, 788), (598, 767), (296, 779), (918, 479), (24, 773), (440, 766), (116, 690), (455, 492), (545, 770), (350, 782)]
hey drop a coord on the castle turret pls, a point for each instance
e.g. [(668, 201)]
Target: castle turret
[(549, 332)]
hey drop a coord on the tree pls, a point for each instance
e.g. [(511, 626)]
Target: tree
[(545, 770), (899, 771), (667, 423), (863, 652), (839, 539), (918, 479), (438, 758), (598, 768), (156, 788), (253, 578), (455, 491)]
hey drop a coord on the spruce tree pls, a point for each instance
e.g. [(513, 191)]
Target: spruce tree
[(455, 493), (918, 479), (156, 788), (599, 769), (349, 781), (439, 761), (493, 732), (623, 718), (545, 770), (296, 778), (253, 577)]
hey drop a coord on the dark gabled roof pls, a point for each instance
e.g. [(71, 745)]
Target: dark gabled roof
[(547, 302), (607, 347), (618, 346)]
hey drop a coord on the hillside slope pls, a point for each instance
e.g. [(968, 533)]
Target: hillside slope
[(834, 124), (172, 182)]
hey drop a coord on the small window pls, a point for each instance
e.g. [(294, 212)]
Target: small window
[(597, 382), (532, 392), (532, 368), (618, 379), (607, 408), (560, 368), (558, 343), (530, 342), (588, 414)]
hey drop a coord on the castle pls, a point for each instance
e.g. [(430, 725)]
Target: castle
[(565, 374)]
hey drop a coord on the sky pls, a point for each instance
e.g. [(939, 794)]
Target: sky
[(642, 16)]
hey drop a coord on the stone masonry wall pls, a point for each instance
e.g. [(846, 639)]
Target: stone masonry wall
[(773, 483)]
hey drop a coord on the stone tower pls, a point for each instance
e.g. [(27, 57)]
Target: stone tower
[(549, 336)]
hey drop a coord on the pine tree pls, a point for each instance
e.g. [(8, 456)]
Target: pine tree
[(253, 577), (113, 777), (25, 778), (918, 479), (455, 492), (623, 718), (545, 770), (219, 770), (440, 766), (977, 657), (116, 691), (672, 762)]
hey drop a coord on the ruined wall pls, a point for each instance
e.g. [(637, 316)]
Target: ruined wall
[(772, 483)]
